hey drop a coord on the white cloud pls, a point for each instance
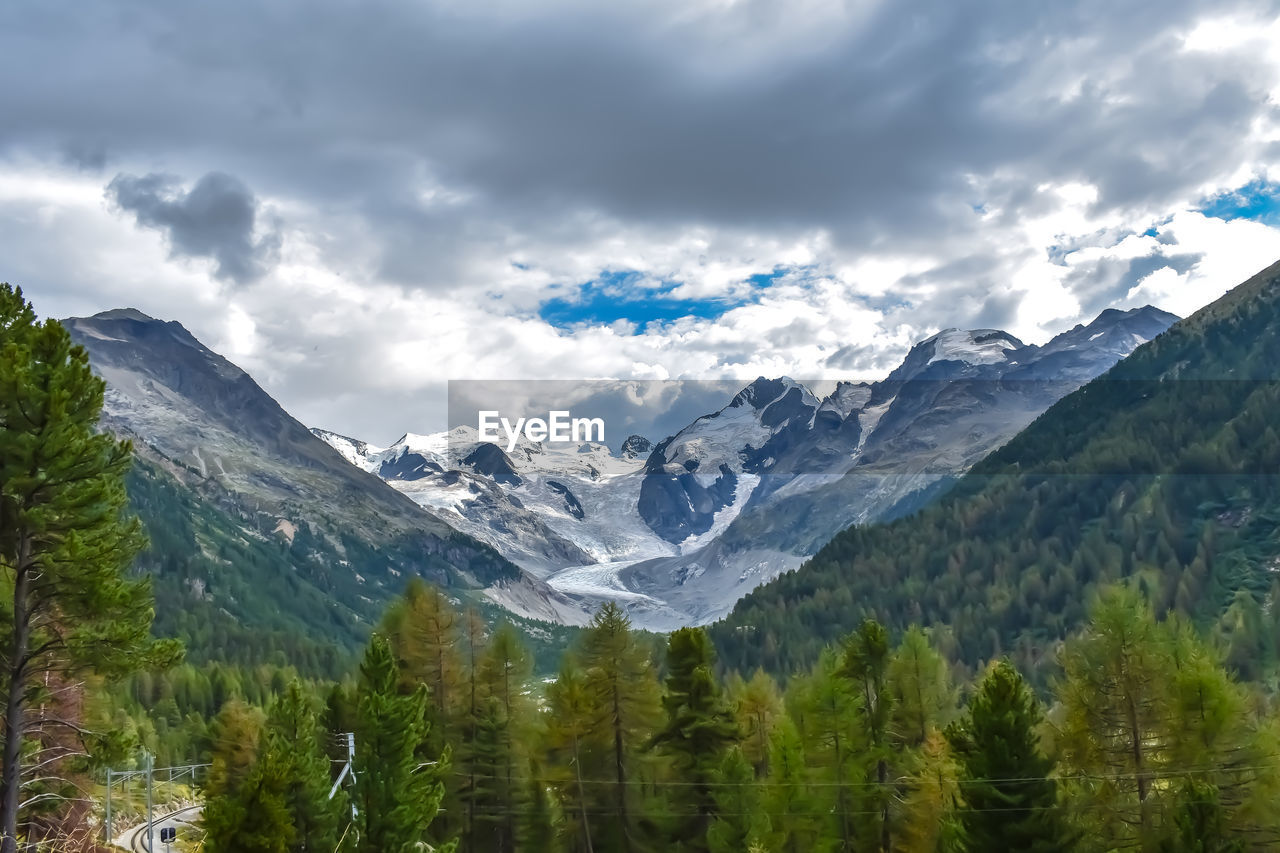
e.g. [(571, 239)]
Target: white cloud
[(908, 167), (1232, 252)]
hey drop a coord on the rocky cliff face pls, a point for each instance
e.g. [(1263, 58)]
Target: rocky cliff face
[(680, 530), (220, 440)]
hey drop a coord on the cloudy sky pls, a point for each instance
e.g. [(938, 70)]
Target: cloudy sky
[(359, 201)]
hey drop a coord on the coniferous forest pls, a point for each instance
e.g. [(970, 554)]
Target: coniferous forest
[(1074, 650), (641, 426), (1143, 739)]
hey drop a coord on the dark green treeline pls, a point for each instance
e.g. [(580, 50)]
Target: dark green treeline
[(1145, 740)]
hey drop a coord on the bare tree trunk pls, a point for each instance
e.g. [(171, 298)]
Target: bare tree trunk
[(582, 797), (14, 722), (882, 776), (620, 763), (846, 840)]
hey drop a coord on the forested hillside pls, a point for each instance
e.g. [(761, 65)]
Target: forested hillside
[(1163, 469), (241, 591), (1149, 743)]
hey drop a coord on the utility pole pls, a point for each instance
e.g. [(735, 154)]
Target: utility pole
[(108, 839), (348, 768), (151, 829)]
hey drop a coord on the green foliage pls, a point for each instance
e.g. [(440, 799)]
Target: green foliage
[(620, 686), (698, 732), (758, 707), (65, 544), (1158, 471), (919, 682), (1200, 824), (397, 794), (1145, 702), (789, 801), (825, 707), (737, 819), (568, 741), (255, 817), (1010, 801), (866, 662), (235, 593), (295, 754), (537, 768)]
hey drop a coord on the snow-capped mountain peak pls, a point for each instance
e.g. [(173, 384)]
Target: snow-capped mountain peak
[(974, 346), (679, 530)]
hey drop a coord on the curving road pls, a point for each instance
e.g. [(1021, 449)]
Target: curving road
[(136, 839)]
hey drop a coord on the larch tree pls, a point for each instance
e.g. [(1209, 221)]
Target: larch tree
[(920, 685), (1118, 715), (825, 704), (505, 670), (758, 705), (788, 799), (569, 726), (622, 688), (865, 661)]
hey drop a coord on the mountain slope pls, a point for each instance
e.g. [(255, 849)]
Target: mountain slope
[(873, 451), (1163, 468), (681, 530), (260, 531)]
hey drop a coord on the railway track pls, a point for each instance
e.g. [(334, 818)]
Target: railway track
[(137, 838)]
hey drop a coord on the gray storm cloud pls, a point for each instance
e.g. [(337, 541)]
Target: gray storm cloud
[(419, 153), (215, 219)]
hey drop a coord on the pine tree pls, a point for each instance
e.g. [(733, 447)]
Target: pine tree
[(397, 797), (1010, 802), (698, 732), (65, 544), (294, 746)]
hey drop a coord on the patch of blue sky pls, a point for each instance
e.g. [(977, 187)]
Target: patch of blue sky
[(1257, 200), (640, 300)]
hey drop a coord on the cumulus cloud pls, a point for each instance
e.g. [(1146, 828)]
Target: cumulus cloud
[(446, 169), (216, 219)]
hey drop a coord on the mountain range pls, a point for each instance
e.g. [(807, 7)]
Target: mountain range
[(263, 538), (680, 530), (1162, 471), (285, 541)]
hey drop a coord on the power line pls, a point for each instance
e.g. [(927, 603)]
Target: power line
[(1163, 773)]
